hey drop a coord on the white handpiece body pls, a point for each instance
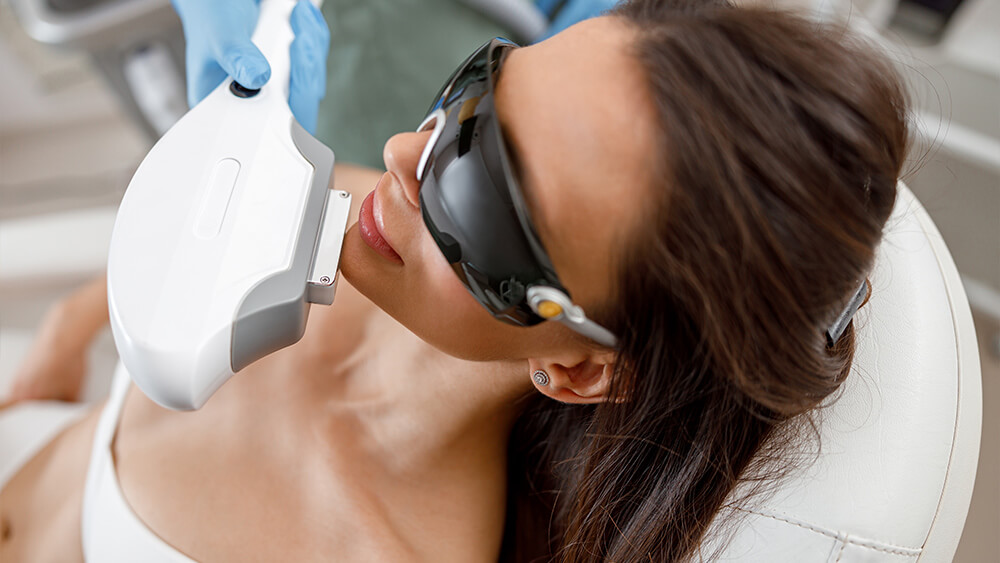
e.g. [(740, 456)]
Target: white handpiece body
[(227, 232)]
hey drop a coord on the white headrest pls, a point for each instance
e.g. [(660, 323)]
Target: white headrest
[(899, 447)]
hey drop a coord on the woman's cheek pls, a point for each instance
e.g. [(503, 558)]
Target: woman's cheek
[(436, 272), (445, 283)]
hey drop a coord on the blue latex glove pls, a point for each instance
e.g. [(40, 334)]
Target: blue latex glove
[(569, 12), (218, 34)]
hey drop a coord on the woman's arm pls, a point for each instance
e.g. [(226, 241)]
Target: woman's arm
[(56, 364)]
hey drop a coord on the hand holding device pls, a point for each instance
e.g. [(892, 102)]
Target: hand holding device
[(218, 35), (226, 233)]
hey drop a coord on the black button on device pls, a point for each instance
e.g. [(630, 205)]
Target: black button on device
[(241, 92)]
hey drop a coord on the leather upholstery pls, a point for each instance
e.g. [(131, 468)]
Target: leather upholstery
[(899, 446)]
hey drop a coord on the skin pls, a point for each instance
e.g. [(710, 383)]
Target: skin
[(385, 428), (574, 146)]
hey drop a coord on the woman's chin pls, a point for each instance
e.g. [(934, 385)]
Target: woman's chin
[(361, 265), (372, 275), (350, 256)]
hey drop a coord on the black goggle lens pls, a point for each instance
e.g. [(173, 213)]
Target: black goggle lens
[(469, 201)]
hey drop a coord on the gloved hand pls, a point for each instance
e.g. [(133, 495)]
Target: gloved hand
[(564, 13), (218, 34)]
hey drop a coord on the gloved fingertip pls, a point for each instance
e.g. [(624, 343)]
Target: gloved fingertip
[(252, 74), (246, 64)]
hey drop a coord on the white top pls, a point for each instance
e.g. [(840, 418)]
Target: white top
[(112, 532)]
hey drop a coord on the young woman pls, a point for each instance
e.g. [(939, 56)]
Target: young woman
[(691, 192)]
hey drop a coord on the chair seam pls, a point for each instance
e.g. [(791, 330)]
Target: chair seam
[(843, 544), (845, 538)]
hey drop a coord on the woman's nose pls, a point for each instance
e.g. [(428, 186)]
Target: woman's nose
[(402, 155)]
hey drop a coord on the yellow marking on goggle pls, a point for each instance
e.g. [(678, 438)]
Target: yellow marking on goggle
[(549, 309), (468, 109)]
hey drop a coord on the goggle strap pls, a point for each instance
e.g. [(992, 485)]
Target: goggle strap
[(838, 327), (438, 117), (554, 305)]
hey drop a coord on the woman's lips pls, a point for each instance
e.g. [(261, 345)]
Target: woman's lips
[(369, 224)]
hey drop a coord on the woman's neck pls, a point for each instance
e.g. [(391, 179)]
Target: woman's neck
[(410, 414), (413, 407)]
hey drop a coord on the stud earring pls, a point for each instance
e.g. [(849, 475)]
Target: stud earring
[(540, 377)]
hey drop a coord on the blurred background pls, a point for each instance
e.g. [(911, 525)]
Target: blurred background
[(88, 85)]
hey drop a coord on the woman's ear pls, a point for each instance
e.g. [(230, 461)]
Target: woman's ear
[(581, 380)]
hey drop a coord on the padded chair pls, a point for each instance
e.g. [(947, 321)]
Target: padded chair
[(899, 445)]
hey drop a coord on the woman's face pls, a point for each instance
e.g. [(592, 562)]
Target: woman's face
[(576, 110)]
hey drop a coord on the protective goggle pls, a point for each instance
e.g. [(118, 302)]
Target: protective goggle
[(475, 210)]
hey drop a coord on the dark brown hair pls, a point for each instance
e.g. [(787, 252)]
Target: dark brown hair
[(782, 141)]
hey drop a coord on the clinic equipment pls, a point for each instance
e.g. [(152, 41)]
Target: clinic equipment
[(226, 234)]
